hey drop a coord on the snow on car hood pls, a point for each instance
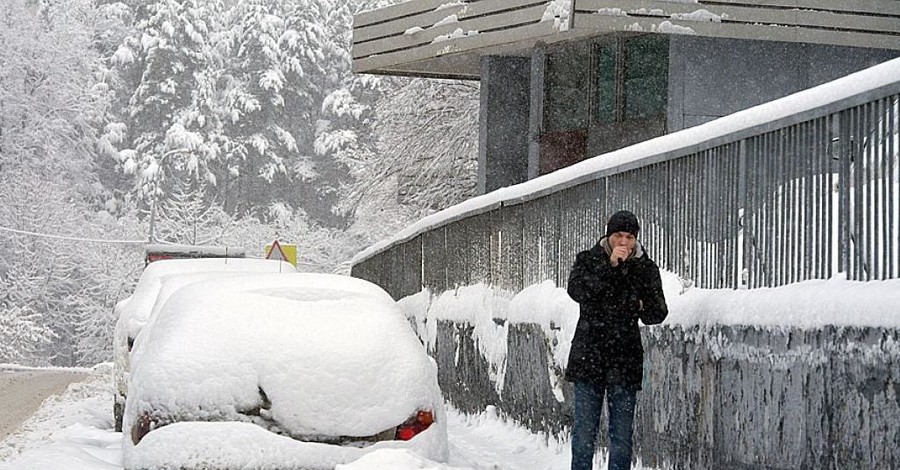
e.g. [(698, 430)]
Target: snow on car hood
[(333, 355)]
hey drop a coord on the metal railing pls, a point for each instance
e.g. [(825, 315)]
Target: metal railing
[(806, 196)]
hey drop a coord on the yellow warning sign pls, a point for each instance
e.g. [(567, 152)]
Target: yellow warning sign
[(282, 251)]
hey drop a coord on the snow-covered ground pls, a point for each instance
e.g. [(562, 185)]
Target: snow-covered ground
[(73, 431)]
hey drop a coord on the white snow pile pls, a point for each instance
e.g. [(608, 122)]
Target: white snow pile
[(558, 11), (449, 19), (217, 445), (455, 34), (612, 12), (668, 27), (391, 459), (71, 431), (445, 6), (699, 15), (316, 354), (808, 304)]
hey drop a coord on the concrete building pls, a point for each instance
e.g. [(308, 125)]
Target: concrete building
[(565, 80)]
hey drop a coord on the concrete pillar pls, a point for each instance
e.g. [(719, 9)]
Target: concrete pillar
[(503, 122), (536, 116)]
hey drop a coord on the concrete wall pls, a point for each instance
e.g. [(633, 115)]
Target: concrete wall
[(722, 397), (713, 77)]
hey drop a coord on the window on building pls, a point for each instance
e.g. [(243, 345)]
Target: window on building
[(646, 70), (566, 89), (629, 79), (604, 77)]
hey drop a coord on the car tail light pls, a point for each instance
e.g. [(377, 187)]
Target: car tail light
[(413, 426), (142, 427)]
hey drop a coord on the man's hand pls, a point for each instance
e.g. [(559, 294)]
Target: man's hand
[(619, 254)]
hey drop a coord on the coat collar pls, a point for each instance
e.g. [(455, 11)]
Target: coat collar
[(603, 247)]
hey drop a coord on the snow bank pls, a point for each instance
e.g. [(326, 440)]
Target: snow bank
[(69, 430), (245, 445), (807, 304), (395, 459)]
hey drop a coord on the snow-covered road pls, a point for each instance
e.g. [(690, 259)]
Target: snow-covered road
[(23, 391), (73, 431)]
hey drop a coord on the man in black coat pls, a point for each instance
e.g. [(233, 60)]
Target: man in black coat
[(616, 284)]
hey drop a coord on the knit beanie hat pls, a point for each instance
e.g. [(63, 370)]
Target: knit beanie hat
[(623, 221)]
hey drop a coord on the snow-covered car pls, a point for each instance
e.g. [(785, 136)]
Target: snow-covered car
[(158, 280), (300, 371)]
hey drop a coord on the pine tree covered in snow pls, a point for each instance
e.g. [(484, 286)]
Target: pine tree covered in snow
[(187, 217), (164, 124), (230, 94), (22, 332)]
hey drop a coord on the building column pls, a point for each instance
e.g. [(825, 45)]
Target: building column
[(536, 116), (503, 153)]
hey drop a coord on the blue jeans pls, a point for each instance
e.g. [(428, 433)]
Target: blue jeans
[(588, 405)]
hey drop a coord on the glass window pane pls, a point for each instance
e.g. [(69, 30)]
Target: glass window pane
[(604, 99), (565, 89), (646, 76)]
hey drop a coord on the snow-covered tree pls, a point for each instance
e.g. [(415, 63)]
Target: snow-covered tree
[(22, 332), (110, 273), (224, 122), (230, 93), (49, 97), (40, 276), (164, 124), (186, 216), (425, 153), (53, 94)]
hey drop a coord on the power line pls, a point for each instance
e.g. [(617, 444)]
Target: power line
[(74, 239)]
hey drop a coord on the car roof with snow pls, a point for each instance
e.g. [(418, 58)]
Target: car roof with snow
[(135, 310)]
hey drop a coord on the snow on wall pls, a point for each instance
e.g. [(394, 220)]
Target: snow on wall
[(700, 15), (559, 12), (799, 376)]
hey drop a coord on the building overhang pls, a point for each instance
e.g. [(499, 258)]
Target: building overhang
[(447, 38)]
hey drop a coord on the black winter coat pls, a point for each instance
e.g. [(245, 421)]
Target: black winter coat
[(607, 345)]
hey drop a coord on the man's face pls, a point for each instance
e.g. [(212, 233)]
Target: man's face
[(625, 239)]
